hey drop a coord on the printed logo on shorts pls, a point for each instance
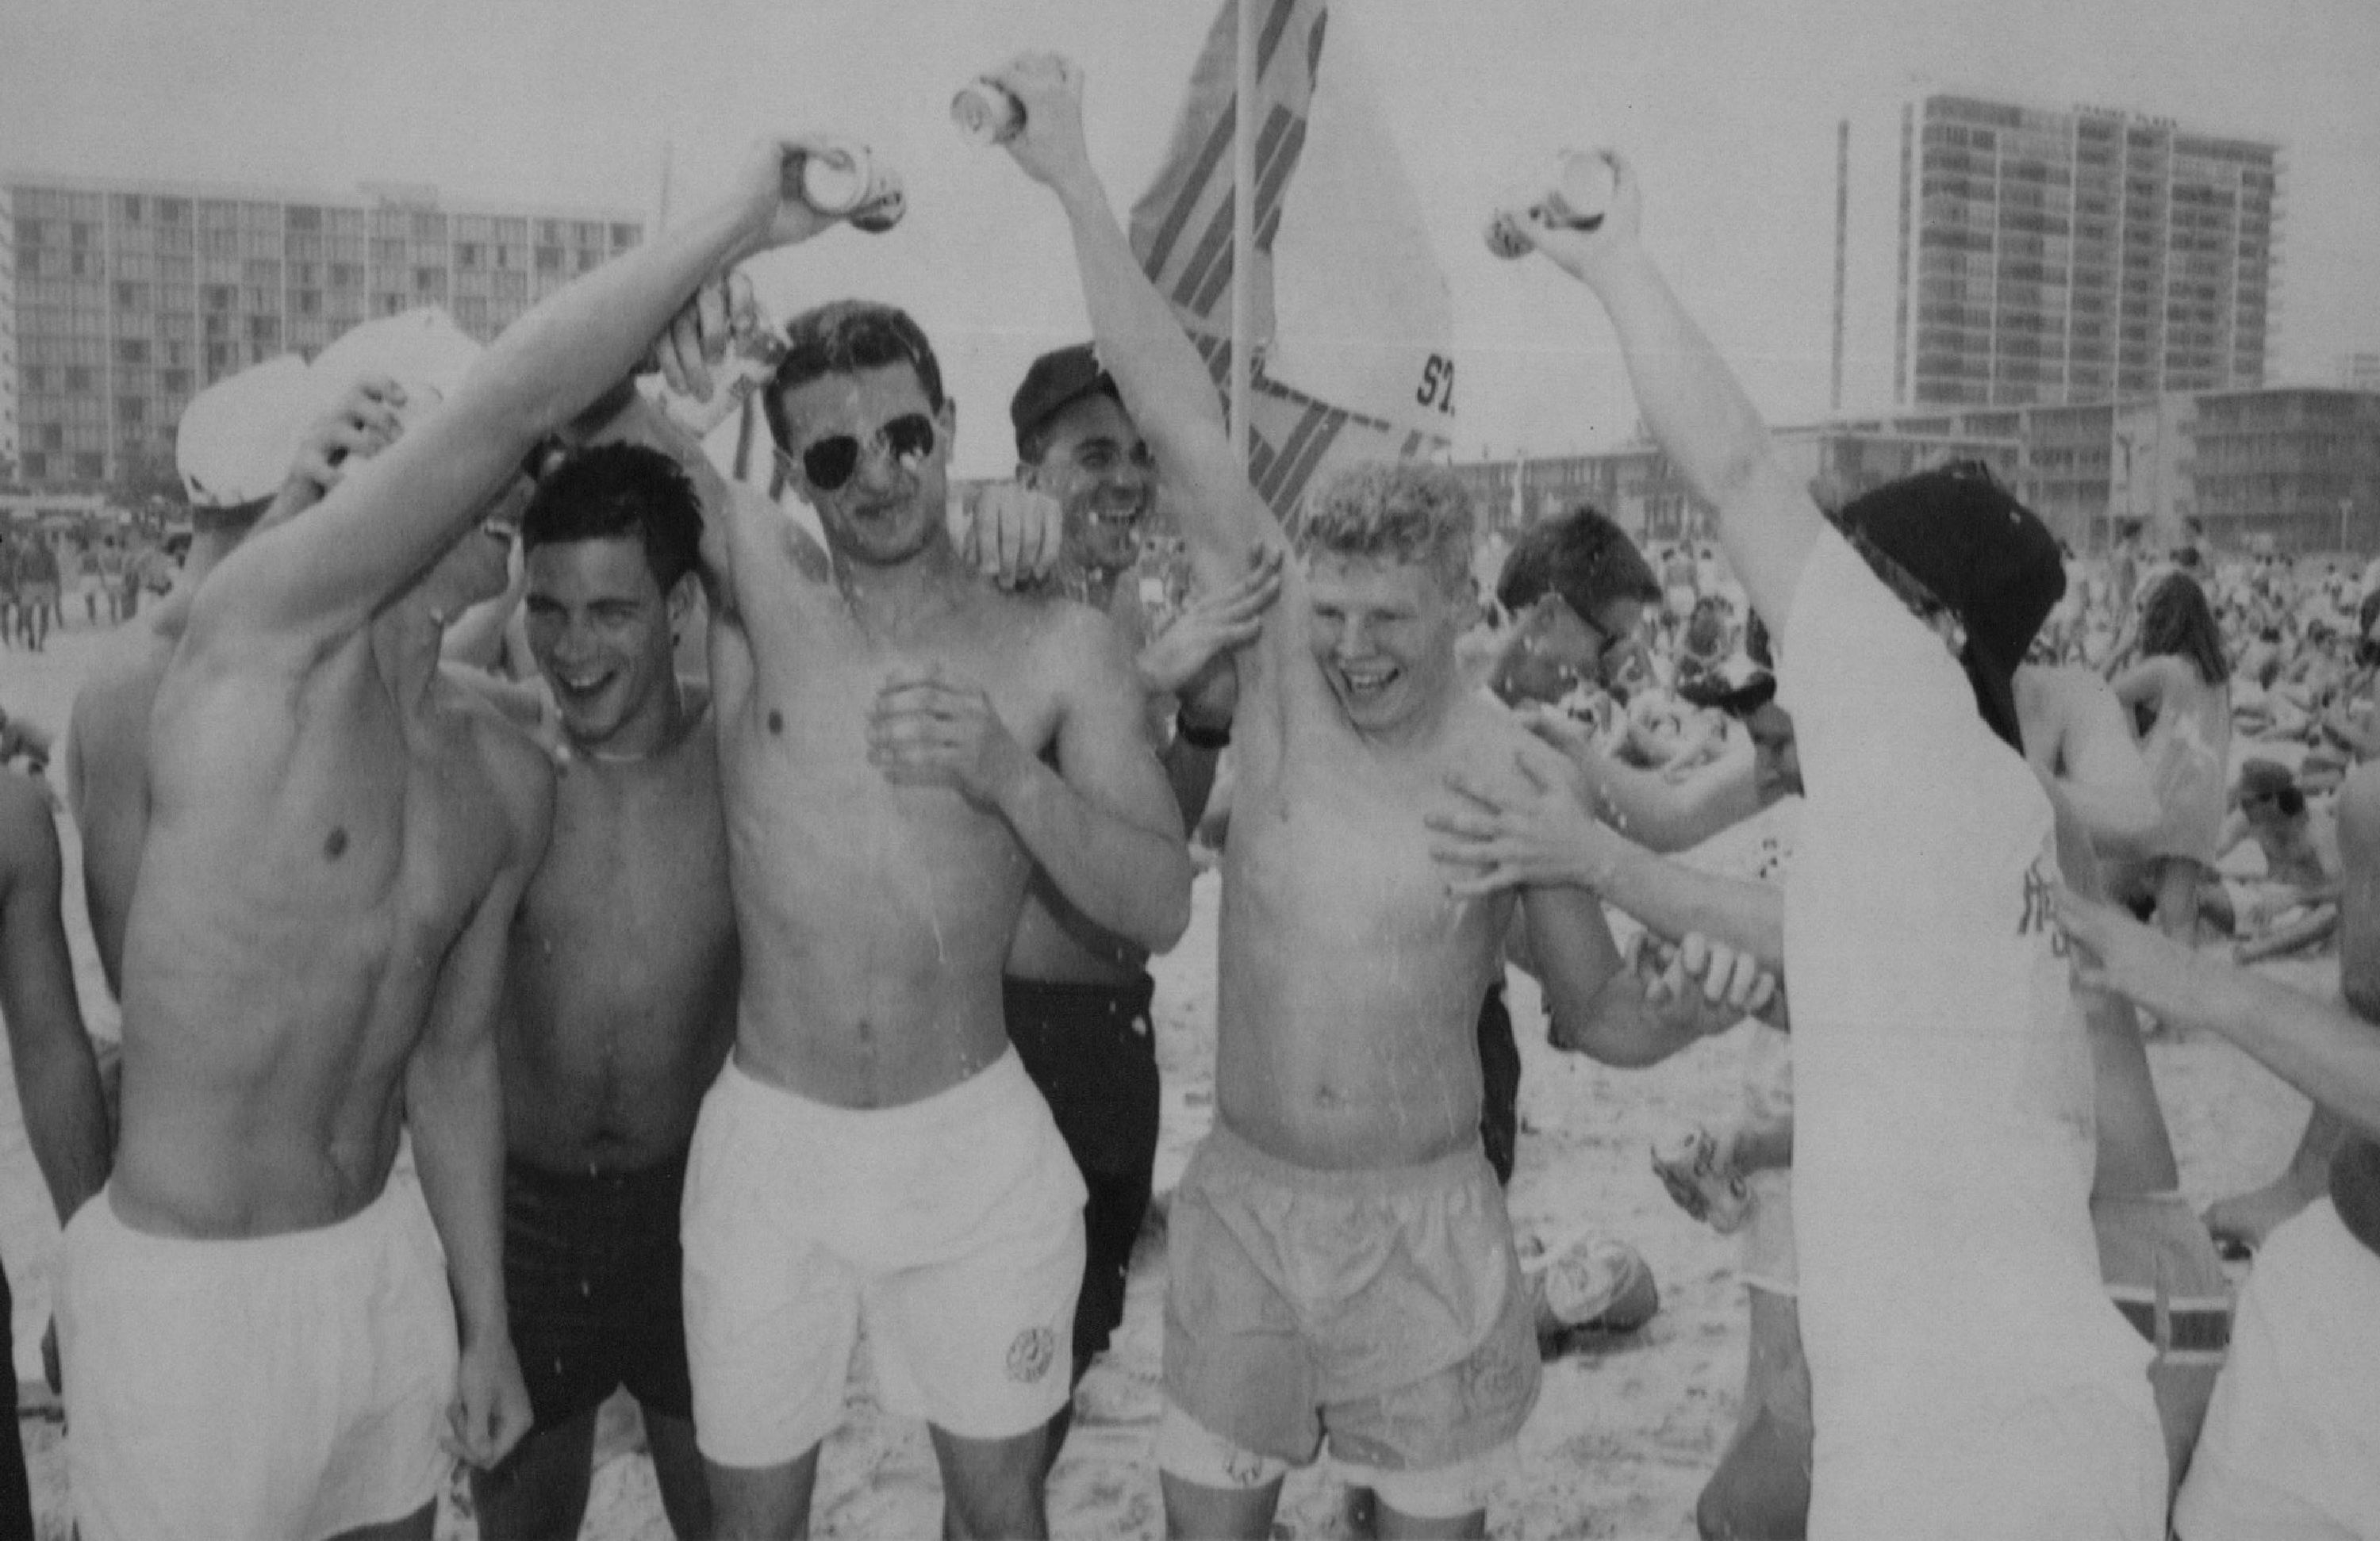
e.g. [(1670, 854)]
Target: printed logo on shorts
[(1029, 1356)]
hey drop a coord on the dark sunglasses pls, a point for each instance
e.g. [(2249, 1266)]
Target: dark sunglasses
[(832, 461)]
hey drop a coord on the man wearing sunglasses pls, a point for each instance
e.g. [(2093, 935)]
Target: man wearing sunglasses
[(1341, 1261), (904, 749), (258, 1334)]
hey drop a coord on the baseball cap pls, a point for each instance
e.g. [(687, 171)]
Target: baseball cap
[(422, 350), (1057, 381), (237, 438), (1954, 536)]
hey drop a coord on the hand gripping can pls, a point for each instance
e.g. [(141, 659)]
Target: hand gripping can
[(986, 114), (847, 181), (1577, 196)]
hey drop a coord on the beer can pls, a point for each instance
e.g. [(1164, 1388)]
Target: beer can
[(1690, 1160), (986, 114), (885, 203), (1580, 194), (752, 362)]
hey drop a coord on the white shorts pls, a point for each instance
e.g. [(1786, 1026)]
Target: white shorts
[(2292, 1445), (283, 1387), (952, 1226)]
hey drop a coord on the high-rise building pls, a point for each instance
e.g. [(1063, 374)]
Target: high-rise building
[(7, 348), (2052, 256), (131, 297)]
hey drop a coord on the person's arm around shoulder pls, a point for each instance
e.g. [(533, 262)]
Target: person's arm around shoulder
[(455, 1107), (1696, 407), (56, 1070)]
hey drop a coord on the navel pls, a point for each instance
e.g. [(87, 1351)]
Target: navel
[(776, 722), (336, 846)]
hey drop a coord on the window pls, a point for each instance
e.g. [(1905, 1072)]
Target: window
[(78, 378), (131, 350)]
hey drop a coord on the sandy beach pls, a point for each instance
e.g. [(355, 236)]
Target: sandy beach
[(1619, 1446)]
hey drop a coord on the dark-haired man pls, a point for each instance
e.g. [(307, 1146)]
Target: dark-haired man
[(1076, 998), (902, 746), (619, 990), (259, 1337)]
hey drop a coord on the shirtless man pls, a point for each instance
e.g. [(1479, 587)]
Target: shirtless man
[(57, 1075), (902, 746), (1076, 997), (619, 991), (1346, 1142), (1943, 1146), (257, 1338), (231, 447)]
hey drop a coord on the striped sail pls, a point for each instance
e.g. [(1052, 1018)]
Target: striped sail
[(1353, 327)]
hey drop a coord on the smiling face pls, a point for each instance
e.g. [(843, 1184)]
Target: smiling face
[(599, 627), (892, 508), (1095, 463), (1383, 634)]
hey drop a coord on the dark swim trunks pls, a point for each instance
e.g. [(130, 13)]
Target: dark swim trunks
[(1092, 1049), (592, 1281)]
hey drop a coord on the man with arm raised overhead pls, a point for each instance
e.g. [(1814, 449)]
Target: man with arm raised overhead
[(1969, 1377), (903, 748), (1342, 1260), (257, 1336)]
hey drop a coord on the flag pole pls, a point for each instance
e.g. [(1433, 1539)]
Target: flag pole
[(1244, 222)]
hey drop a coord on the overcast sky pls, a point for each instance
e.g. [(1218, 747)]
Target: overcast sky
[(1729, 109)]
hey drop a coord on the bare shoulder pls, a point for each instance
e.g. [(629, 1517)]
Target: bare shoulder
[(518, 766), (1071, 644), (1484, 735)]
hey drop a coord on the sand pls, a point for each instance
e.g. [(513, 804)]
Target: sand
[(1620, 1444)]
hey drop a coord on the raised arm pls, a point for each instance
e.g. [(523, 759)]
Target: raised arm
[(57, 1074), (1164, 383), (1696, 409), (319, 577)]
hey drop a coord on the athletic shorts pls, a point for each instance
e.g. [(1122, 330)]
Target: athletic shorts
[(1092, 1049), (951, 1226), (2292, 1446), (1384, 1308), (592, 1283), (279, 1389), (2157, 1260)]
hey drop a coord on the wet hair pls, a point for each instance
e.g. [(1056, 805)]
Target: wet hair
[(1581, 556), (620, 493), (2174, 622), (1397, 511), (845, 338)]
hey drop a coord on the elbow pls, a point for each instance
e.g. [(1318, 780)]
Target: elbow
[(1169, 918)]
